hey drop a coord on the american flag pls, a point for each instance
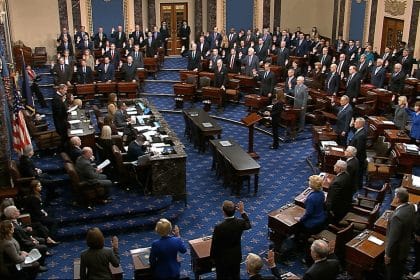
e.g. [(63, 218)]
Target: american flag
[(21, 137)]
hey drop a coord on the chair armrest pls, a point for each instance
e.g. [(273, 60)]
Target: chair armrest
[(360, 211), (334, 228), (370, 189), (366, 198), (357, 222), (381, 158)]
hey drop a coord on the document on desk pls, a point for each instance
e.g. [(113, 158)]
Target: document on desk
[(129, 109), (337, 149), (143, 128), (76, 131), (225, 143), (416, 181), (131, 112), (388, 122), (324, 144), (375, 240), (74, 121), (207, 124), (72, 110)]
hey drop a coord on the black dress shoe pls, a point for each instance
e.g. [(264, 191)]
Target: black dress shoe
[(42, 268), (274, 147)]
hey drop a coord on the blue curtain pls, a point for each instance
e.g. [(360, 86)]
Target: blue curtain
[(357, 20), (107, 14), (239, 14)]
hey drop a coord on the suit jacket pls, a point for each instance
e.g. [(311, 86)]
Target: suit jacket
[(136, 37), (276, 113), (94, 264), (59, 112), (114, 59), (301, 49), (359, 142), (378, 79), (97, 40), (60, 76), (120, 118), (255, 64), (400, 117), (396, 82), (340, 195), (261, 51), (268, 82), (184, 32), (232, 39), (226, 242), (163, 257), (10, 252), (236, 67), (332, 83), (151, 47), (363, 70), (84, 77), (290, 89), (407, 64), (353, 86), (301, 97), (108, 75), (344, 68), (344, 116), (327, 269), (135, 150), (399, 232), (129, 72), (220, 77), (315, 215), (282, 56), (118, 40), (213, 37), (350, 51), (327, 60), (61, 48), (353, 170), (203, 48), (194, 62), (85, 170), (82, 45), (139, 59)]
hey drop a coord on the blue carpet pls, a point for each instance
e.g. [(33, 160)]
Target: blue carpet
[(283, 175)]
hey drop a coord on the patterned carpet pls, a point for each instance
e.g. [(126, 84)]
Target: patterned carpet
[(283, 175)]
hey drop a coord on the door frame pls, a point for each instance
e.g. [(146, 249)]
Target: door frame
[(173, 43), (384, 33)]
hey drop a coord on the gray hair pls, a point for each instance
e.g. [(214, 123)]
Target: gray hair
[(402, 194), (352, 150), (341, 164), (27, 150), (254, 263), (9, 210), (362, 120), (320, 247)]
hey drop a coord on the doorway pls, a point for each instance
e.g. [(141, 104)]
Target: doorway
[(174, 14), (392, 33)]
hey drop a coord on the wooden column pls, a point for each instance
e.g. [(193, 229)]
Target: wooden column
[(211, 14), (138, 16), (372, 23), (335, 19), (341, 17), (152, 13), (77, 19), (414, 23)]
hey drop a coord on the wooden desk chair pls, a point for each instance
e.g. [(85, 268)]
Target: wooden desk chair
[(65, 157), (361, 218), (372, 136), (288, 120), (203, 81), (21, 183), (127, 89), (336, 238), (39, 56), (382, 168), (215, 95), (151, 65), (186, 91), (380, 148), (86, 91), (368, 107), (183, 74), (369, 202), (141, 76)]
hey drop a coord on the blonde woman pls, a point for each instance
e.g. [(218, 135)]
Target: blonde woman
[(164, 252), (400, 115), (112, 104)]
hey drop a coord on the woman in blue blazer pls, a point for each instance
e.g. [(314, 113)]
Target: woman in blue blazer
[(314, 219), (164, 252), (415, 122)]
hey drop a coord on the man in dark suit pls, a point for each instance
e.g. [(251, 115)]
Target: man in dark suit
[(118, 36), (157, 37), (300, 101), (137, 56), (250, 61), (151, 45), (301, 46), (85, 43), (226, 242), (80, 34), (268, 81), (136, 148), (340, 194), (377, 76), (129, 70), (203, 47), (184, 34), (332, 82), (359, 142), (114, 56), (137, 35), (290, 82), (276, 110), (282, 54), (100, 38), (84, 73), (232, 62), (397, 80), (325, 58), (387, 59), (65, 45), (64, 34), (353, 84), (59, 112), (261, 50), (61, 72), (213, 58), (106, 71), (249, 38), (91, 175), (254, 264), (120, 116), (232, 38), (323, 268), (352, 166), (164, 34), (351, 52), (342, 66), (398, 235), (344, 116), (220, 75), (215, 38), (194, 58), (406, 60), (363, 67)]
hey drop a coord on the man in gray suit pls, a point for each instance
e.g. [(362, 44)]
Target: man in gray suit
[(301, 100), (398, 235), (90, 174), (251, 62)]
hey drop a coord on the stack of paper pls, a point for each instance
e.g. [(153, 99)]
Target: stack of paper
[(325, 144)]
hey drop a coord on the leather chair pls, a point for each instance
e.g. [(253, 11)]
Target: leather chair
[(39, 56), (65, 157), (21, 183), (83, 193), (369, 202), (151, 65), (44, 140), (361, 218)]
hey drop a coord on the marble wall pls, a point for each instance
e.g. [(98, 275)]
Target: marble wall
[(211, 14)]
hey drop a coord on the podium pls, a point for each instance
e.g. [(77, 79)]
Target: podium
[(249, 121)]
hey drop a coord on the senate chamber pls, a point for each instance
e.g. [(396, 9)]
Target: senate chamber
[(210, 139)]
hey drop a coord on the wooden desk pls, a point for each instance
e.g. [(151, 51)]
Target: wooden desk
[(412, 198), (200, 256), (382, 222), (79, 121), (256, 102), (362, 254), (330, 156), (407, 182), (396, 136), (322, 133), (282, 222), (202, 125), (187, 91), (214, 94), (301, 198), (141, 270), (239, 161), (379, 124), (247, 84), (406, 160), (384, 98), (116, 272)]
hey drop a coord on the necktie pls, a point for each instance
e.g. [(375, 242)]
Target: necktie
[(193, 54), (250, 60), (339, 68), (265, 74), (348, 81), (62, 68), (404, 58), (106, 68), (377, 70), (31, 74), (112, 54), (232, 61), (322, 60), (329, 80), (86, 44), (230, 37), (136, 54), (137, 34), (119, 36), (129, 65), (84, 69)]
